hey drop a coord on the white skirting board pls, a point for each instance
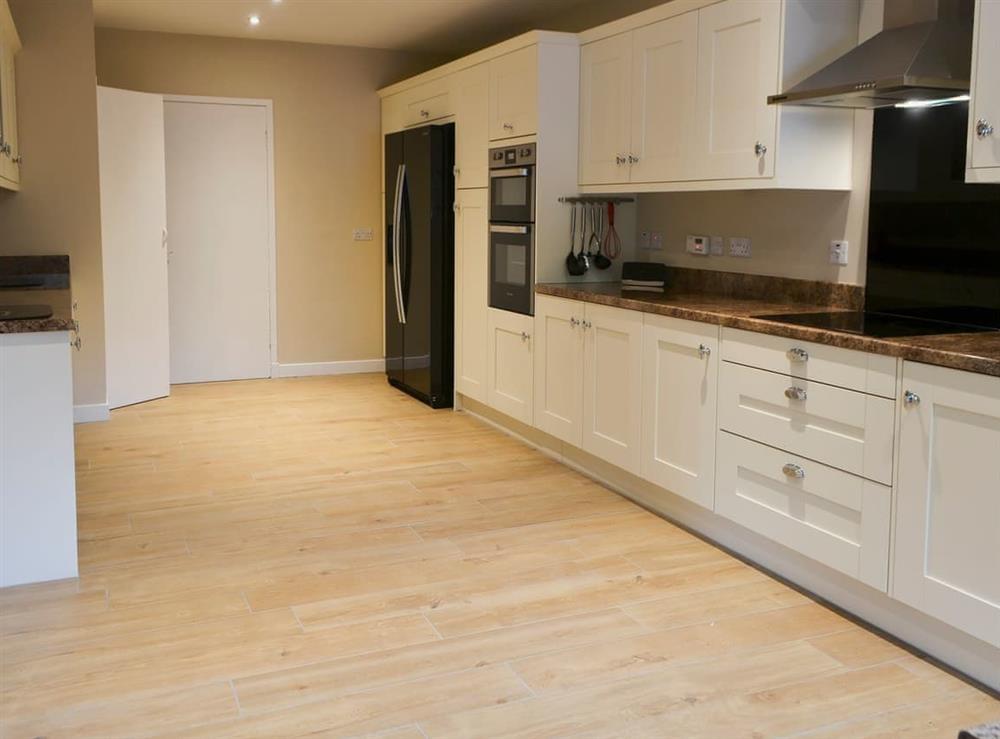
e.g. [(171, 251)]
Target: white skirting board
[(950, 646), (91, 413), (310, 369)]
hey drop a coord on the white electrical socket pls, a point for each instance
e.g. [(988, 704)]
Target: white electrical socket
[(838, 253), (644, 240), (696, 245), (717, 248), (739, 246), (363, 234)]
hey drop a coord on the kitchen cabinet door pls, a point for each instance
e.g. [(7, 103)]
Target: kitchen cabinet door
[(514, 94), (680, 370), (10, 168), (471, 285), (612, 393), (984, 110), (472, 135), (429, 102), (559, 368), (946, 559), (605, 91), (664, 69), (510, 373), (738, 57)]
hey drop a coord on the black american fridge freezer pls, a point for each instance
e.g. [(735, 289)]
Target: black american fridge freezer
[(419, 262)]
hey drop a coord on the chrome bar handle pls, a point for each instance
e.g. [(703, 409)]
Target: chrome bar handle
[(397, 212), (793, 471), (795, 393)]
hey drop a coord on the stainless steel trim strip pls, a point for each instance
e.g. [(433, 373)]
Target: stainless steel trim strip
[(508, 229)]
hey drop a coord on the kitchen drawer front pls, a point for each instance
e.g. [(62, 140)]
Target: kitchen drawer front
[(842, 428), (429, 102), (833, 517), (862, 371)]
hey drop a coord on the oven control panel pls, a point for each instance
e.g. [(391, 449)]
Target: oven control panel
[(512, 156)]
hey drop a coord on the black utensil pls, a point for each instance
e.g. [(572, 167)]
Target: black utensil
[(583, 256), (600, 260), (573, 264)]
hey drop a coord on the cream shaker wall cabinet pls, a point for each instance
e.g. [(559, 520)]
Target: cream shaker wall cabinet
[(10, 153), (679, 102), (983, 158)]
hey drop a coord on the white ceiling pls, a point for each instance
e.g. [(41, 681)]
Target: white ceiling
[(441, 26)]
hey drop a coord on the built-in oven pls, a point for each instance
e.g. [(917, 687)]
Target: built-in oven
[(512, 184), (512, 228), (512, 267)]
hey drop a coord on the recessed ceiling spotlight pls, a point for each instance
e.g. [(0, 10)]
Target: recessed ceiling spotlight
[(276, 2), (254, 20)]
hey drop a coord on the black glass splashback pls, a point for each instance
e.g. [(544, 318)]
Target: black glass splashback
[(933, 241)]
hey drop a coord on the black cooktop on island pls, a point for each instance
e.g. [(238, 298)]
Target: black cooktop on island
[(876, 325)]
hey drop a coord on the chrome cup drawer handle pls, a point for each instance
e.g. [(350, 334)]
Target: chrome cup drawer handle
[(911, 398), (797, 355), (793, 471), (795, 393)]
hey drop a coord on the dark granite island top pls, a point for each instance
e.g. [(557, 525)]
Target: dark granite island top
[(37, 280), (974, 352)]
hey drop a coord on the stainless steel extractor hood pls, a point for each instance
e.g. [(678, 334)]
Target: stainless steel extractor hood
[(924, 52)]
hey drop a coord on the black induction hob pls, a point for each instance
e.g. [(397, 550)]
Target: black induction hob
[(21, 312), (875, 325)]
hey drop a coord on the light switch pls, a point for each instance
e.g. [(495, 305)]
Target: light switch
[(838, 253), (697, 245)]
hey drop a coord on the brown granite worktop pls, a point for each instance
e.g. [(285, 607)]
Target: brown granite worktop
[(974, 352), (37, 280)]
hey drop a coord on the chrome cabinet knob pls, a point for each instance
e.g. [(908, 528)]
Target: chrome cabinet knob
[(793, 471), (796, 354), (795, 393), (620, 160), (76, 343), (525, 336), (759, 149), (704, 351), (633, 159), (574, 321), (425, 113), (586, 324), (508, 126), (911, 398), (983, 128), (18, 159)]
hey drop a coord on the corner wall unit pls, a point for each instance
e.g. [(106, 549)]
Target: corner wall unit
[(983, 157), (10, 153), (675, 98)]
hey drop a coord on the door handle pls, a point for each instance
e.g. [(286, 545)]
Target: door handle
[(793, 471), (795, 393), (397, 209)]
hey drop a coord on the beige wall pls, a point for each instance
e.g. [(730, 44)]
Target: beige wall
[(58, 208), (327, 146)]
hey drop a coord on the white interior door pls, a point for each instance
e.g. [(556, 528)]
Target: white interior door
[(218, 215), (133, 236)]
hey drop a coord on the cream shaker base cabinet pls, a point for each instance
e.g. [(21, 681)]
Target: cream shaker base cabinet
[(612, 390), (946, 559), (472, 276), (513, 102), (680, 367), (836, 518), (983, 159), (559, 368), (588, 366), (510, 373)]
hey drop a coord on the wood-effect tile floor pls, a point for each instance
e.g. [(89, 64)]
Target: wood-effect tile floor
[(328, 557)]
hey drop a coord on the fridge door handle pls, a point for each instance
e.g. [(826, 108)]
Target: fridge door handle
[(403, 266), (397, 210)]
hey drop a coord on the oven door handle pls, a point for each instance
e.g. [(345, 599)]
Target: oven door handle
[(518, 172), (495, 229), (397, 212)]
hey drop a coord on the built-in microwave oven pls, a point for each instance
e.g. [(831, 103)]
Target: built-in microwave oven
[(512, 184)]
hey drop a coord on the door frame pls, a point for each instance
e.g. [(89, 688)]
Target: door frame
[(272, 239)]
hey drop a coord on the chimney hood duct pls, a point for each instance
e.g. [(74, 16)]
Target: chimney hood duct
[(924, 52)]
